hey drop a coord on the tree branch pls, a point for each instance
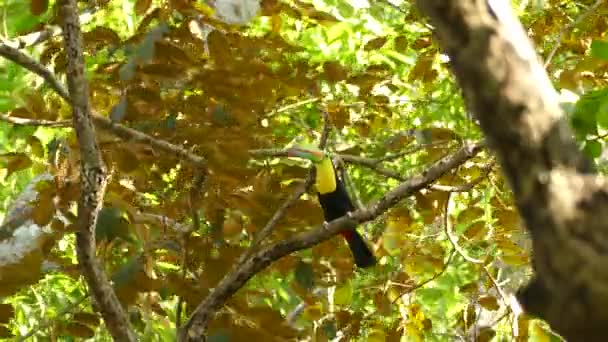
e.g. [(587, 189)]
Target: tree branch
[(93, 177), (102, 122), (564, 206), (32, 65), (468, 186), (195, 328), (569, 28), (43, 35), (34, 122)]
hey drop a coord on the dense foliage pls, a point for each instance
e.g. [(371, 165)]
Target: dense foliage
[(237, 95)]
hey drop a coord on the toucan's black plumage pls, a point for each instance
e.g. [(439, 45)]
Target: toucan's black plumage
[(334, 200), (337, 204)]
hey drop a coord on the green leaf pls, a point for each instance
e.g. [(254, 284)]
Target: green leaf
[(593, 148), (305, 275), (343, 295), (599, 49)]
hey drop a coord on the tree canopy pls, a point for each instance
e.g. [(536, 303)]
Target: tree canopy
[(147, 194)]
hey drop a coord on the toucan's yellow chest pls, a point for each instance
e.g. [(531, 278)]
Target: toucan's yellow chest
[(326, 177)]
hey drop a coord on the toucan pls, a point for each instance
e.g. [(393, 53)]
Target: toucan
[(334, 200)]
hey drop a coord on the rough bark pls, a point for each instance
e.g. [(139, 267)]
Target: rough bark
[(563, 204), (93, 179)]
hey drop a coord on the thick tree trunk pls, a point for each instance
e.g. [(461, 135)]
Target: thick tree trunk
[(564, 206)]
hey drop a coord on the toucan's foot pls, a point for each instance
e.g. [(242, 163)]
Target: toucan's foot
[(349, 214), (325, 224)]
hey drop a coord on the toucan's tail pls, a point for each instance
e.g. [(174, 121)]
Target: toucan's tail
[(361, 252)]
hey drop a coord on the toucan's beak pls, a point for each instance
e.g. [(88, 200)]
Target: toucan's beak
[(301, 152)]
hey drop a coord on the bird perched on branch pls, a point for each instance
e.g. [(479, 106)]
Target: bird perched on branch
[(334, 200)]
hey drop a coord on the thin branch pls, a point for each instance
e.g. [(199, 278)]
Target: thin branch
[(372, 164), (130, 134), (195, 328), (411, 150), (468, 186), (104, 123), (163, 221), (32, 65), (435, 276), (369, 163), (451, 238), (93, 177), (500, 291), (294, 105), (35, 122), (569, 28), (45, 34)]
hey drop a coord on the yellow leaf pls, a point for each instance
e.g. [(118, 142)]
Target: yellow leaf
[(470, 214), (376, 335), (276, 23), (343, 295), (313, 312), (36, 146), (515, 260)]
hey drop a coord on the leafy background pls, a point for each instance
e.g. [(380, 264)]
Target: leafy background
[(231, 93)]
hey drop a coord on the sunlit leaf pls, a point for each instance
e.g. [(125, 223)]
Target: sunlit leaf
[(343, 294)]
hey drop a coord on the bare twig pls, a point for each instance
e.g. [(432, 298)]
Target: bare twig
[(195, 328), (93, 177), (569, 28), (34, 122)]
